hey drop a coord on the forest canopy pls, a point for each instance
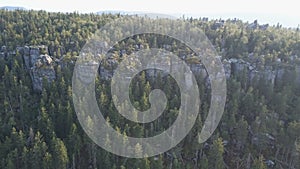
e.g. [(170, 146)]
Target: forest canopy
[(39, 129)]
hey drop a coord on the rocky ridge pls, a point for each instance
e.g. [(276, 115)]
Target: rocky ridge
[(41, 67)]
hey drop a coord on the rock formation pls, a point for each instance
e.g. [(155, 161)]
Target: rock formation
[(270, 73), (39, 64), (41, 67)]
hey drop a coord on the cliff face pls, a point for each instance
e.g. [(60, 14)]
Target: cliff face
[(41, 67), (253, 71), (39, 64)]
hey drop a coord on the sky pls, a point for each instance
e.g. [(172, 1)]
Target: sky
[(265, 11)]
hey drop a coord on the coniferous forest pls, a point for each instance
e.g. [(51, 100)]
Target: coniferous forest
[(39, 129)]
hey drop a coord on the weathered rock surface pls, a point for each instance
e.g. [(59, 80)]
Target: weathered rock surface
[(41, 66), (269, 73)]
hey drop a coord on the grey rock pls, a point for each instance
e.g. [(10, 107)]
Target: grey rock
[(227, 68), (86, 71), (39, 74), (40, 66), (3, 49)]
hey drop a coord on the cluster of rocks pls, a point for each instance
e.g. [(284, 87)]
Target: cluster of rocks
[(37, 61), (253, 68), (39, 64), (231, 66), (253, 71), (255, 25), (41, 67)]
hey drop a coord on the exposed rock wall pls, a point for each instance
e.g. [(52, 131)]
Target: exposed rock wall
[(40, 66), (270, 74)]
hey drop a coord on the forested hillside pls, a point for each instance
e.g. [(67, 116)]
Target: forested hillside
[(260, 127)]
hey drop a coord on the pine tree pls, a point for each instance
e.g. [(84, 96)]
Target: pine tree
[(215, 156), (259, 163), (59, 153)]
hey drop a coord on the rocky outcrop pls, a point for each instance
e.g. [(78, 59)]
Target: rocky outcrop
[(253, 71), (85, 71), (39, 64)]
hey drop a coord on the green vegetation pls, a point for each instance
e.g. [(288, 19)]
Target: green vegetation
[(39, 130)]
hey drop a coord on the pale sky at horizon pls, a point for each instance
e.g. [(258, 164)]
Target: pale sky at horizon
[(267, 11)]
